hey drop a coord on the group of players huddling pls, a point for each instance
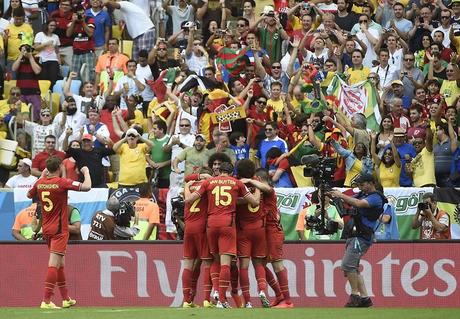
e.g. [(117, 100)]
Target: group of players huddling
[(230, 219)]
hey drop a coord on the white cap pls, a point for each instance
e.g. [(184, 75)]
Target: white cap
[(27, 161), (268, 9)]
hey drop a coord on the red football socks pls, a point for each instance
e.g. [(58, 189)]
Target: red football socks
[(224, 282), (284, 285), (50, 283), (272, 282), (186, 284), (215, 269), (207, 285), (260, 277), (244, 283), (234, 278), (62, 284)]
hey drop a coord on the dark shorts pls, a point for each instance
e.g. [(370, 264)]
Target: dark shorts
[(58, 243), (196, 246), (222, 240), (251, 243), (355, 248)]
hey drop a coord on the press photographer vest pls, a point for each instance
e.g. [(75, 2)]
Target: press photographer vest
[(355, 226)]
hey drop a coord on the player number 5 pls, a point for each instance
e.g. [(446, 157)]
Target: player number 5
[(47, 203)]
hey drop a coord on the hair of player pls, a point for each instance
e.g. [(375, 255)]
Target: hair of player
[(53, 164), (222, 157), (245, 168), (263, 175), (206, 170)]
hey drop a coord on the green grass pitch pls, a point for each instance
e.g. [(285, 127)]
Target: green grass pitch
[(178, 313)]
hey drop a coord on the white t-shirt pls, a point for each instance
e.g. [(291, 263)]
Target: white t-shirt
[(38, 133), (184, 115), (446, 41), (311, 57), (370, 53), (48, 53), (178, 16), (137, 20), (126, 82), (75, 122), (396, 59), (143, 73), (83, 103), (187, 140), (196, 63), (19, 181), (386, 74)]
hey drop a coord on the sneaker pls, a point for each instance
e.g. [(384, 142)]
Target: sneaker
[(276, 301), (208, 304), (68, 303), (284, 304), (354, 301), (365, 302), (223, 305), (50, 305), (248, 305), (215, 295), (187, 305), (237, 300), (264, 300), (194, 305)]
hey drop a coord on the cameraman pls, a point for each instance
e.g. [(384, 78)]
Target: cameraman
[(433, 222), (113, 222), (367, 207)]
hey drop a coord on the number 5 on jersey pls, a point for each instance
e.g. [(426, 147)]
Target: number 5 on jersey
[(47, 203)]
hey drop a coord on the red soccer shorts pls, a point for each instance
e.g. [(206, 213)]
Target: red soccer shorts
[(251, 243), (196, 245), (222, 240), (275, 240), (58, 243)]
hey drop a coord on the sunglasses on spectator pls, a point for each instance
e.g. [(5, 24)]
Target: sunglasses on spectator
[(45, 114), (184, 125), (276, 66), (362, 21), (417, 142), (269, 129), (15, 93), (409, 59), (445, 17), (262, 102), (162, 49), (131, 135)]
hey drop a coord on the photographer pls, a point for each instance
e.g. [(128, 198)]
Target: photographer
[(433, 222), (367, 207), (113, 222), (311, 215)]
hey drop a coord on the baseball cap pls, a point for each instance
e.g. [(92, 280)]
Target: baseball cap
[(69, 99), (363, 178), (93, 109), (27, 161), (87, 137), (268, 9), (201, 136), (45, 111), (398, 82), (399, 132)]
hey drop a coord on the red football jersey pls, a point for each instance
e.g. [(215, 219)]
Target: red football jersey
[(195, 213), (250, 217), (273, 218), (222, 193), (52, 194)]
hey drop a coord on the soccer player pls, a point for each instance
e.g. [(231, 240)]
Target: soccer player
[(222, 193), (251, 242), (196, 250), (275, 240), (51, 191)]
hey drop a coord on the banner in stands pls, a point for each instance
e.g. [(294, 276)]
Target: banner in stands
[(290, 202), (142, 274)]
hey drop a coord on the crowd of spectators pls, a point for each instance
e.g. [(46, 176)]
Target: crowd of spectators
[(131, 124)]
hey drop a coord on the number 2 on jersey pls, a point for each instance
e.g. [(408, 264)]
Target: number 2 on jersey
[(222, 196), (194, 209), (47, 203)]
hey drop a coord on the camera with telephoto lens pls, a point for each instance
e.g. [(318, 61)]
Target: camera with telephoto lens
[(124, 214), (329, 227), (177, 215), (320, 169)]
